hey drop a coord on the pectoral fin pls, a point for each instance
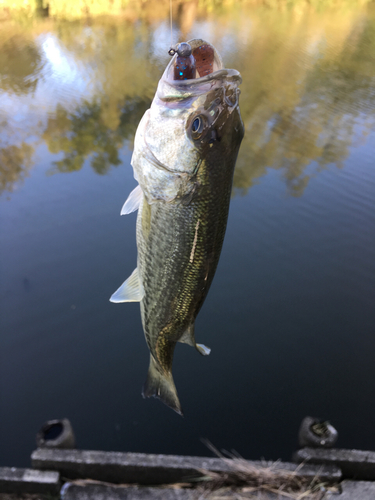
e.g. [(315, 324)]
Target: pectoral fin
[(161, 385), (189, 338), (130, 291), (133, 201)]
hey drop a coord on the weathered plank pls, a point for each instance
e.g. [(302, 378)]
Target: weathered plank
[(354, 490), (354, 464), (14, 480), (145, 469)]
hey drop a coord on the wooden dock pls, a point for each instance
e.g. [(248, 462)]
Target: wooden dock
[(72, 474)]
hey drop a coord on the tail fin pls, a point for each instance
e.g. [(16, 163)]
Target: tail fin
[(161, 386)]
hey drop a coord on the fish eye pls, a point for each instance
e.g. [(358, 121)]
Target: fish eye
[(197, 126)]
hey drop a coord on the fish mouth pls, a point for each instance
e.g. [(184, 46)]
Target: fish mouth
[(209, 69), (206, 58)]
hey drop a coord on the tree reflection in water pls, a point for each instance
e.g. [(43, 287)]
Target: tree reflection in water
[(89, 132), (307, 93), (15, 162)]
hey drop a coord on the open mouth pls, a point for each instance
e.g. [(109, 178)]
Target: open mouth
[(195, 68), (192, 60)]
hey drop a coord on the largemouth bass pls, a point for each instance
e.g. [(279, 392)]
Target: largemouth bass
[(185, 151)]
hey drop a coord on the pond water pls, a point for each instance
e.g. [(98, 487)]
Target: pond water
[(291, 312)]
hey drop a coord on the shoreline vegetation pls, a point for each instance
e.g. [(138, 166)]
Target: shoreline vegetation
[(135, 9)]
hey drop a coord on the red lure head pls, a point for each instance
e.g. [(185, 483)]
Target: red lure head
[(190, 65)]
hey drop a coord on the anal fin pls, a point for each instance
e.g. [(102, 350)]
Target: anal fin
[(130, 291)]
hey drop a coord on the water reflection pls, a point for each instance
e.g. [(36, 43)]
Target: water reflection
[(96, 129), (20, 63), (310, 95), (307, 95), (15, 162)]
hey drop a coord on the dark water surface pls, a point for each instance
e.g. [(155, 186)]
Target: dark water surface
[(290, 316)]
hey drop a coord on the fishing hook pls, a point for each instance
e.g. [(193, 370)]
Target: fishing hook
[(183, 50)]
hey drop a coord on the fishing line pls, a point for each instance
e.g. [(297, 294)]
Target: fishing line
[(170, 12), (171, 51)]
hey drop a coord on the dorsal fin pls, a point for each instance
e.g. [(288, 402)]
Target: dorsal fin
[(202, 349), (189, 338)]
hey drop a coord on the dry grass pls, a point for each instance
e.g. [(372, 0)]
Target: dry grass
[(244, 480)]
